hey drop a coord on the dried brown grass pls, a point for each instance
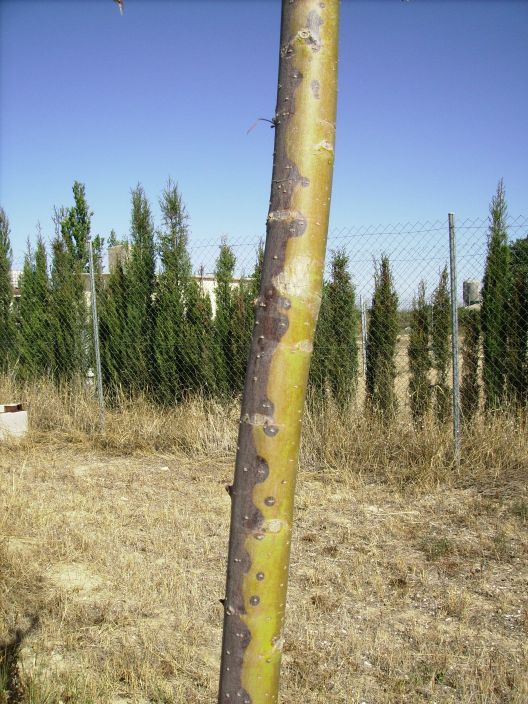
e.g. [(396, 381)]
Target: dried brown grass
[(408, 577)]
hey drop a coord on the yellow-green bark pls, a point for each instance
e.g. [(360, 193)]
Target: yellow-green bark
[(287, 309)]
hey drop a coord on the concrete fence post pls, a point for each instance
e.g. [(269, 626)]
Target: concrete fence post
[(454, 338), (95, 327)]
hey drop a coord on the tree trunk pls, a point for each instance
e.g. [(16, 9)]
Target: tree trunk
[(277, 374)]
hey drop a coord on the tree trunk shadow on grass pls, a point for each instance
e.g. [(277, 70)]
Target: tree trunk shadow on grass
[(11, 687)]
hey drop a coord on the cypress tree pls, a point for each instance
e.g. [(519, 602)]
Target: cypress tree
[(139, 358), (225, 266), (240, 333), (34, 337), (173, 368), (26, 303), (75, 226), (113, 330), (341, 317), (68, 310), (318, 379), (112, 239), (68, 315), (201, 354), (97, 252), (470, 386), (256, 279), (419, 359), (440, 347), (7, 329), (382, 337), (518, 325), (495, 304), (244, 299)]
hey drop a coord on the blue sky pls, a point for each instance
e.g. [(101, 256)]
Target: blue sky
[(432, 110)]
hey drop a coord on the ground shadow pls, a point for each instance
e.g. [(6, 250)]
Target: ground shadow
[(10, 683)]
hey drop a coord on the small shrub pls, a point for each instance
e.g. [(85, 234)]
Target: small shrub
[(434, 548)]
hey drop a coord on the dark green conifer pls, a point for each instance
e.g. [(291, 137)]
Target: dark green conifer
[(75, 226), (34, 326), (139, 356), (68, 315), (419, 359), (382, 338), (257, 271), (112, 307), (201, 353), (440, 348), (244, 299), (68, 311), (224, 272), (341, 323), (496, 291), (171, 344), (318, 380), (7, 329), (518, 325)]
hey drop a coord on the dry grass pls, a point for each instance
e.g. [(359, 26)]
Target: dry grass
[(408, 578)]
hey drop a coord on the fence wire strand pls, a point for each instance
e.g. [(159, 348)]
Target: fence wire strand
[(176, 318)]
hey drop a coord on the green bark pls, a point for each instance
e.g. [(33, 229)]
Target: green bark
[(277, 375)]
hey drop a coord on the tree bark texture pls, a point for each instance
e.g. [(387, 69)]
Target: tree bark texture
[(276, 379)]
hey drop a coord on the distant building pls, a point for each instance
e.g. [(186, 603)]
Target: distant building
[(471, 292), (15, 282), (119, 255)]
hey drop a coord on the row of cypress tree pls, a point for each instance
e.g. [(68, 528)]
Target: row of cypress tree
[(494, 334), (45, 331), (499, 331), (429, 353), (157, 330), (158, 334)]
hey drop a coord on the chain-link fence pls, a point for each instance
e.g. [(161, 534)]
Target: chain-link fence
[(175, 319), (411, 261)]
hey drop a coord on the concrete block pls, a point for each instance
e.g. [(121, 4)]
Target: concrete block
[(13, 421)]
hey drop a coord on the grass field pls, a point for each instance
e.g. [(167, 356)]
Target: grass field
[(409, 577)]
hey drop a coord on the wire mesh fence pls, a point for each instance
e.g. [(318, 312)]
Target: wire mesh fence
[(175, 319)]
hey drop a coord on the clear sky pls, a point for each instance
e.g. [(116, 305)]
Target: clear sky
[(433, 110)]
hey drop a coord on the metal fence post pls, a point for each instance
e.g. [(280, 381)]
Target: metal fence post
[(95, 325), (363, 334), (454, 338)]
